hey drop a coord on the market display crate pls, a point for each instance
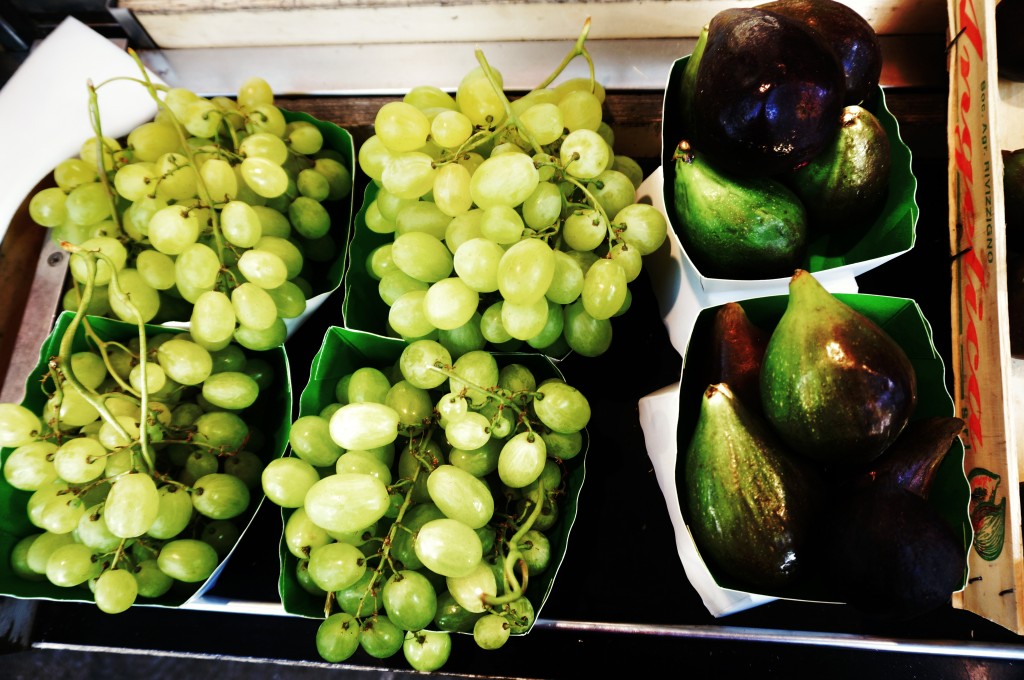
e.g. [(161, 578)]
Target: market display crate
[(986, 118)]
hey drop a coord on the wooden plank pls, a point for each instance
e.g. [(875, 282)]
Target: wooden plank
[(177, 24)]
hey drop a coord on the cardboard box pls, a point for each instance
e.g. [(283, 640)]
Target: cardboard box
[(984, 119)]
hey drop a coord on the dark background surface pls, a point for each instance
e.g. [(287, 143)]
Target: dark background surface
[(621, 568)]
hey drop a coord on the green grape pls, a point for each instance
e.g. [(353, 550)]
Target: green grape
[(374, 157), (151, 140), (543, 207), (524, 321), (47, 208), (286, 481), (252, 306), (264, 145), (544, 121), (419, 362), (425, 97), (422, 216), (407, 316), (231, 390), (379, 262), (346, 502), (409, 600), (451, 189), (562, 407), (502, 224), (474, 370), (19, 559), (177, 179), (212, 322), (448, 547), (336, 566), (289, 300), (313, 185), (480, 461), (450, 303), (522, 459), (87, 204), (604, 289), (401, 126), (264, 268), (536, 551), (39, 551), (310, 439), (523, 615), (112, 438), (476, 264), (301, 535), (451, 128), (469, 591), (133, 289), (465, 338), (59, 514), (449, 406), (396, 283), (71, 565), (365, 463), (585, 154), (581, 110), (411, 403), (265, 117), (364, 426), (563, 445), (645, 228), (613, 190), (585, 229), (254, 92), (172, 229), (115, 591), (460, 496), (184, 361), (586, 335), (422, 256), (240, 224), (262, 340), (629, 259), (359, 599), (151, 581), (409, 174), (309, 217), (552, 331), (289, 253), (337, 638), (506, 179), (156, 269), (220, 181), (463, 228), (477, 99), (30, 466), (380, 637), (220, 496), (188, 560), (174, 514), (630, 168), (71, 172), (525, 271), (247, 466), (303, 137), (491, 631), (264, 177), (18, 425), (132, 505), (116, 255), (79, 460), (339, 177)]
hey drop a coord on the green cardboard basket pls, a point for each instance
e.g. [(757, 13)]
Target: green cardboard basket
[(272, 413), (345, 350), (892, 232), (904, 321)]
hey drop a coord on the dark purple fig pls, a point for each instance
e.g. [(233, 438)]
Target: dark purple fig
[(738, 348), (851, 37), (914, 458), (767, 94)]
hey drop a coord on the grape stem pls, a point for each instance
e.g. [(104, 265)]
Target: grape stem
[(513, 588), (101, 169), (510, 117), (503, 397), (579, 49)]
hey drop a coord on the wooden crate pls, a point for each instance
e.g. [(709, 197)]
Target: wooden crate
[(985, 117), (238, 23)]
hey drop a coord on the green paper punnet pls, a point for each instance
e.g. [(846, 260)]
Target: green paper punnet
[(272, 412), (343, 351)]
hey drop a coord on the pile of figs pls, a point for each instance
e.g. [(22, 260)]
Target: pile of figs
[(776, 140)]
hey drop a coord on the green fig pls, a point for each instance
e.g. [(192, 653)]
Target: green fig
[(835, 386), (733, 227), (738, 347), (845, 185), (750, 500)]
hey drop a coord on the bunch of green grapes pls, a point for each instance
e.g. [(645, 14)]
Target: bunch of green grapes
[(140, 465), (512, 221), (423, 497), (213, 212)]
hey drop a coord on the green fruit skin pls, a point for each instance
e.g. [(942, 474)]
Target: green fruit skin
[(845, 185), (751, 501), (835, 386), (688, 83), (736, 228)]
